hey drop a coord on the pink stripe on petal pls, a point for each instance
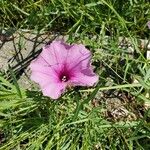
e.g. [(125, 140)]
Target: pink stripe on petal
[(55, 53), (40, 61), (78, 56)]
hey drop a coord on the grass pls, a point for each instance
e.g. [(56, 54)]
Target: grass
[(113, 115)]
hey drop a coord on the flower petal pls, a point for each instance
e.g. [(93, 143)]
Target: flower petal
[(43, 79), (78, 56), (40, 61), (55, 53), (85, 78), (54, 90), (40, 67), (66, 45)]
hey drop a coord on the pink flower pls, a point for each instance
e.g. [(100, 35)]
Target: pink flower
[(60, 65)]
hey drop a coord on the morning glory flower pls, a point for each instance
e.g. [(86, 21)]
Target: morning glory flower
[(60, 65)]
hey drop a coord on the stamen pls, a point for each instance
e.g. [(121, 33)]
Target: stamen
[(64, 79)]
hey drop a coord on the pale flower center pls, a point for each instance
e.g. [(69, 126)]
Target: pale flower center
[(64, 78)]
